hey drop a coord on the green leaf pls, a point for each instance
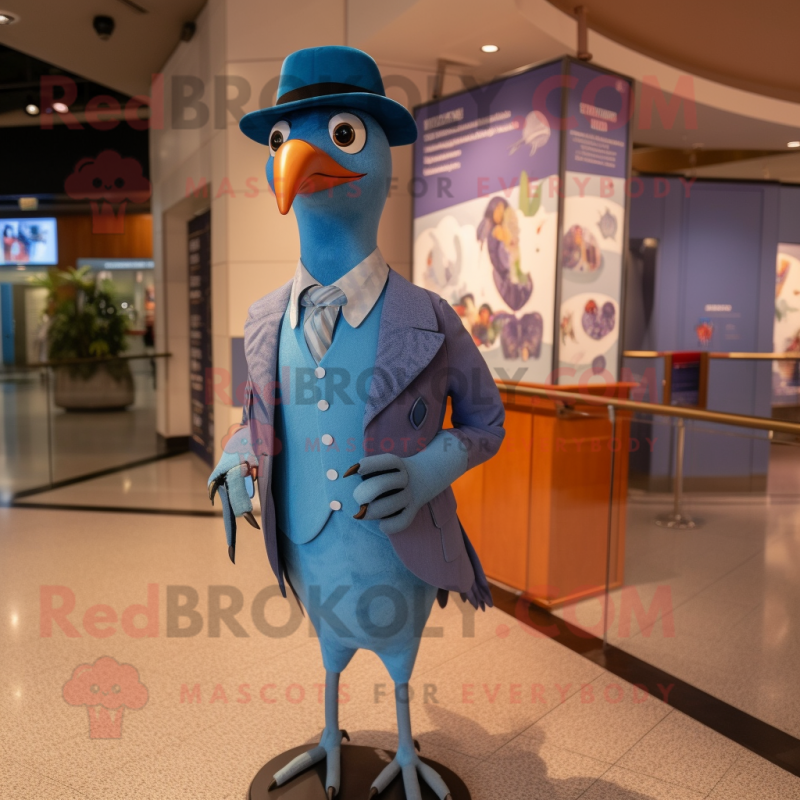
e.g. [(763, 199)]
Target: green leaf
[(529, 202), (81, 324)]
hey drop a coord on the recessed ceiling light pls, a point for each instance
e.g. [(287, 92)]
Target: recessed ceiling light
[(793, 144), (490, 48), (60, 107), (32, 109), (7, 18)]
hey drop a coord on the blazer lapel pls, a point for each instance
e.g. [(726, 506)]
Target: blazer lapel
[(261, 341), (407, 341)]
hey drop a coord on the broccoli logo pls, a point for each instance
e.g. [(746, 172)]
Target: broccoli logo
[(106, 181), (106, 688)]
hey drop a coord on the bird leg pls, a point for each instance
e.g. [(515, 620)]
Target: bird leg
[(406, 760), (329, 744)]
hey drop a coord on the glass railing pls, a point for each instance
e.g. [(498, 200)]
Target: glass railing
[(67, 420), (700, 557), (712, 600), (662, 533)]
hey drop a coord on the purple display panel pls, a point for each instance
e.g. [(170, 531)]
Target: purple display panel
[(486, 214), (592, 231), (476, 143), (596, 124)]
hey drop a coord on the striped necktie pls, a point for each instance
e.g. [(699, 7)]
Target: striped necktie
[(322, 305)]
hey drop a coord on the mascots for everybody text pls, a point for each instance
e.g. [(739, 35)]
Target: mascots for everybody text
[(350, 369)]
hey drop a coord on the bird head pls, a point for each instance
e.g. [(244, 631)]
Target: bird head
[(329, 160), (329, 135), (333, 167)]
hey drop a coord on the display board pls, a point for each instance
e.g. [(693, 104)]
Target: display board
[(592, 224), (202, 438), (519, 217), (786, 333)]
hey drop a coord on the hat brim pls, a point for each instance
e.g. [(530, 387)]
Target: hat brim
[(397, 123)]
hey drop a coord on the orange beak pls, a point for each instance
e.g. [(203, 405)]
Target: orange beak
[(301, 168)]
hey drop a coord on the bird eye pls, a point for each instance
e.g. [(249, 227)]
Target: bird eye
[(344, 134), (94, 688), (348, 133), (278, 135)]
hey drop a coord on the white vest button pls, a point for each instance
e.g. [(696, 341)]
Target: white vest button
[(323, 405), (320, 372), (327, 439), (335, 505), (332, 474)]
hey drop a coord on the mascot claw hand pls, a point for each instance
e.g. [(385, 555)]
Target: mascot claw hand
[(232, 479), (394, 489)]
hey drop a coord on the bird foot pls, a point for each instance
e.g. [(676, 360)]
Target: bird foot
[(329, 748), (412, 769)]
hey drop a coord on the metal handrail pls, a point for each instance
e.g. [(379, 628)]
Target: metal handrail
[(737, 356), (656, 409), (758, 356), (65, 362)]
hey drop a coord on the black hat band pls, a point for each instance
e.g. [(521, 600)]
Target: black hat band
[(321, 90)]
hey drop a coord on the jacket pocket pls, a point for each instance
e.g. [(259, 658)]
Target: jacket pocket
[(443, 514)]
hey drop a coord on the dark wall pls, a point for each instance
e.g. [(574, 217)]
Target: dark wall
[(37, 161)]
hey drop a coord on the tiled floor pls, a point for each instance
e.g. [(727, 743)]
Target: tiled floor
[(517, 715), (172, 484), (724, 601)]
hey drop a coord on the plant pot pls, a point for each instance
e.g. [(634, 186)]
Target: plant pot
[(104, 389)]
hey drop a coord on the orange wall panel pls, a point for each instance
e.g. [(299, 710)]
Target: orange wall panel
[(76, 239), (542, 446), (468, 490), (506, 486), (581, 484)]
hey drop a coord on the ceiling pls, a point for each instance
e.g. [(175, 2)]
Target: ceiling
[(21, 80), (741, 58), (60, 32), (419, 33), (530, 31), (784, 167), (741, 43)]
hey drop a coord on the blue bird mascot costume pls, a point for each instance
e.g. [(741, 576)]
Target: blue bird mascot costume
[(349, 362)]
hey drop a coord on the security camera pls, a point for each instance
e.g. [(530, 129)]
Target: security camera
[(103, 26), (187, 31)]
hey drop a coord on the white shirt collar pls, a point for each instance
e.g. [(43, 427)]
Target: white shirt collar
[(362, 287)]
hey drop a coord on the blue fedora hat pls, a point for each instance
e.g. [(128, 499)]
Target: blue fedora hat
[(332, 76)]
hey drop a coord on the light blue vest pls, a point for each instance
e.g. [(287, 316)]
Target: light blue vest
[(308, 483)]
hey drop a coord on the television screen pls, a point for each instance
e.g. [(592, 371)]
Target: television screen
[(29, 241)]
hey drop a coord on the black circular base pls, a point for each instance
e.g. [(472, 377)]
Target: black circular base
[(360, 766)]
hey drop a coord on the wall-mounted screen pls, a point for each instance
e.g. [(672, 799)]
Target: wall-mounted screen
[(29, 241)]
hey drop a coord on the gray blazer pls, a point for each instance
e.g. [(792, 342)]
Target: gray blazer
[(424, 352)]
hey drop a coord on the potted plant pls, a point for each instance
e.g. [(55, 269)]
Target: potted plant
[(84, 322)]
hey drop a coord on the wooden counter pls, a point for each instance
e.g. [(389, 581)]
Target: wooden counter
[(537, 512)]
